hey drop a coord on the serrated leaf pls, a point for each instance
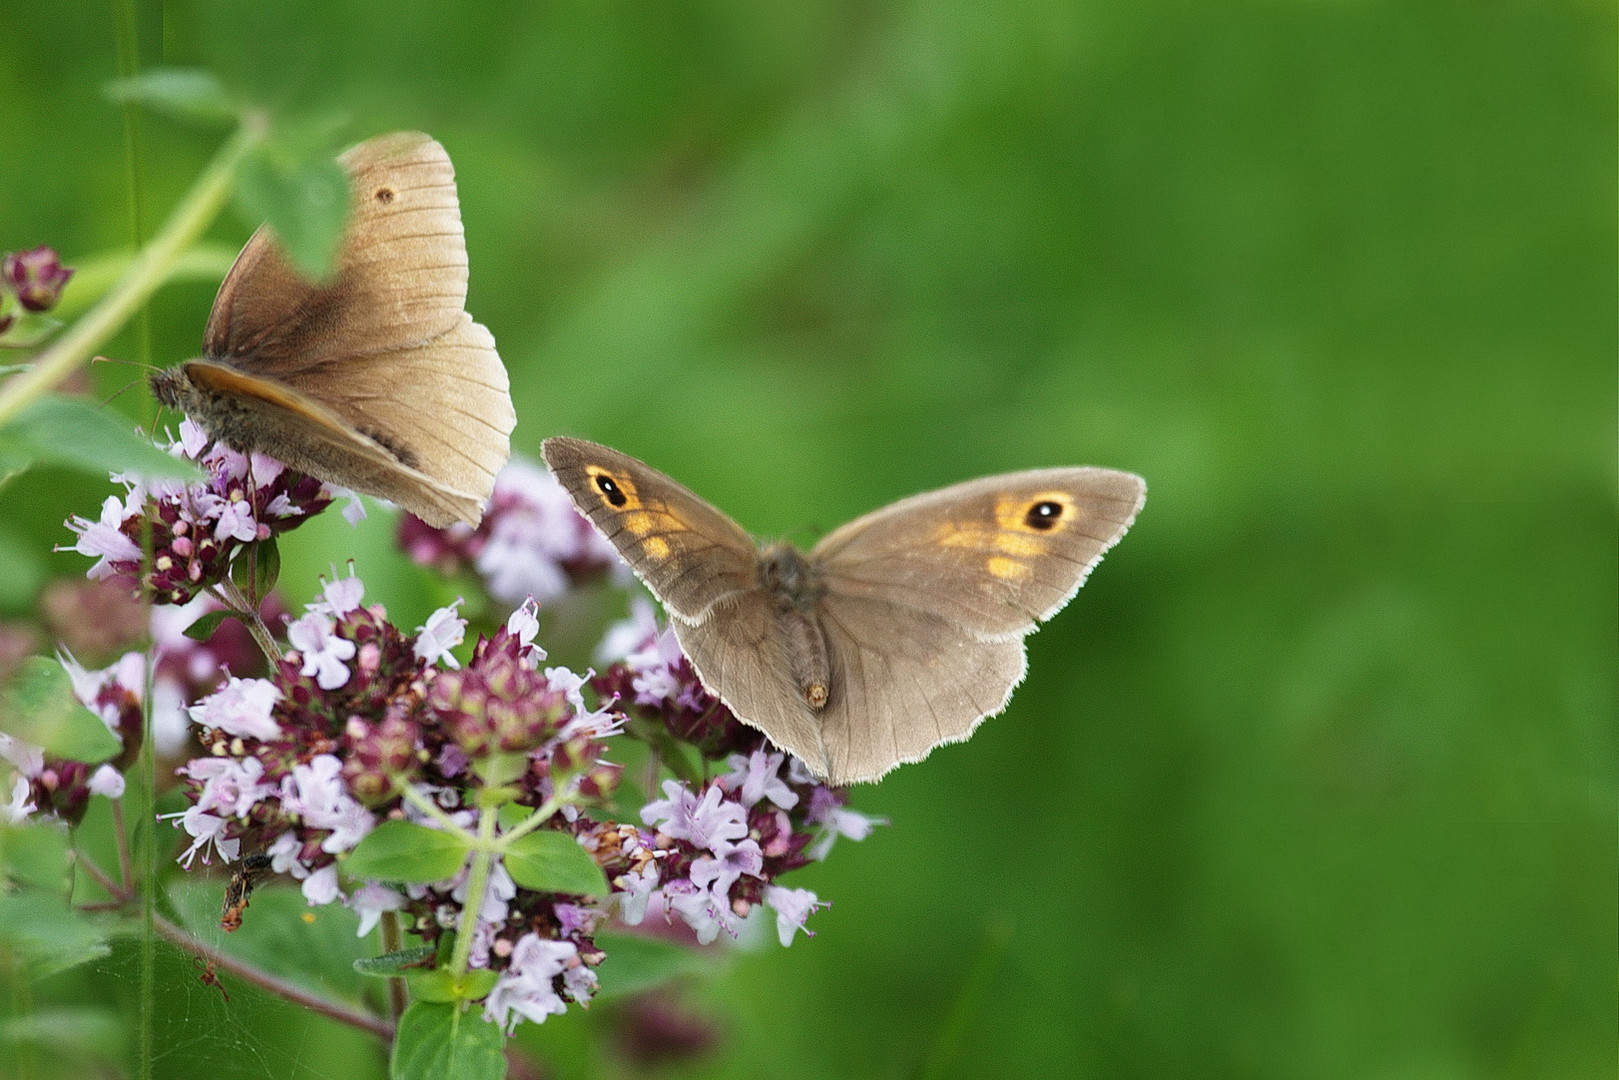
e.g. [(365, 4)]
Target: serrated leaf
[(635, 963), (401, 851), (204, 628), (35, 854), (257, 574), (38, 706), (391, 964), (551, 861), (82, 435), (181, 93), (297, 188), (48, 935), (438, 1042)]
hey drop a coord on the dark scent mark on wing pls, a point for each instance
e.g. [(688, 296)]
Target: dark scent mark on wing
[(388, 443)]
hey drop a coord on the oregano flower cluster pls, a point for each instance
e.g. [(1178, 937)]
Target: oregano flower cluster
[(414, 775)]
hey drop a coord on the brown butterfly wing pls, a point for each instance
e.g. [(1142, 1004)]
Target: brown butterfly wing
[(441, 407), (400, 279), (313, 439), (736, 650), (903, 682), (981, 555), (385, 347), (689, 554)]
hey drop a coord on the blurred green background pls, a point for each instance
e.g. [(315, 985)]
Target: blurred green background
[(1316, 777)]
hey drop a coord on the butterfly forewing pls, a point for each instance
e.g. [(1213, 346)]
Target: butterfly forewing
[(400, 279), (687, 552), (312, 439), (994, 555)]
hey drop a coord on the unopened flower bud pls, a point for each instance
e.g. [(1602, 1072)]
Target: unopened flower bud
[(36, 277)]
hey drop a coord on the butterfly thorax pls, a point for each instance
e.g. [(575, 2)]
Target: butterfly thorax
[(795, 589)]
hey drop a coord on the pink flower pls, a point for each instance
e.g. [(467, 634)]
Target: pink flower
[(792, 907), (242, 707), (443, 631), (324, 653), (527, 989), (704, 822), (103, 540)]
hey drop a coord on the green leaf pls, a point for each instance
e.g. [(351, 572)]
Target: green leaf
[(46, 934), (257, 575), (294, 184), (388, 965), (315, 947), (182, 93), (551, 861), (80, 1034), (24, 570), (635, 963), (36, 854), (440, 984), (204, 628), (82, 435), (440, 1042), (38, 706), (401, 851)]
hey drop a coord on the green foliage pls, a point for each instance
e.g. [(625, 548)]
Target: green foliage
[(438, 1040), (183, 93), (38, 706), (35, 854), (388, 965), (256, 574), (293, 183), (636, 963), (206, 624), (45, 935), (552, 861), (82, 435), (401, 851)]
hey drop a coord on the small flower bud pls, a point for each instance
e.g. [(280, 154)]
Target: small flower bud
[(36, 277)]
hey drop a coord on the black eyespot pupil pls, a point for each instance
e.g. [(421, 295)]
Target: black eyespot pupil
[(385, 195), (610, 489), (1043, 515)]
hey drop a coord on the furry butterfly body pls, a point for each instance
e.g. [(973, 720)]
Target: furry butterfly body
[(897, 633), (378, 380)]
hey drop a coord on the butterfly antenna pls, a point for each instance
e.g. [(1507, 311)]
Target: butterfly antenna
[(130, 363)]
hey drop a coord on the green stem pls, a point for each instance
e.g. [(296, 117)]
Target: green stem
[(392, 942), (478, 880), (248, 615), (149, 270), (535, 820), (431, 809)]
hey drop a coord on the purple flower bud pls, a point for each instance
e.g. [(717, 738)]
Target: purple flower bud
[(37, 277)]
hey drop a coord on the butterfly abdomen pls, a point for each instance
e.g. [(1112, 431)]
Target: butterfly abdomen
[(795, 589)]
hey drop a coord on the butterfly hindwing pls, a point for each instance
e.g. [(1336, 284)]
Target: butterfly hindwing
[(903, 682)]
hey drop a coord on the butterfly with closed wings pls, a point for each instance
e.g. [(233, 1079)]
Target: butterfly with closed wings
[(377, 380), (899, 632)]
